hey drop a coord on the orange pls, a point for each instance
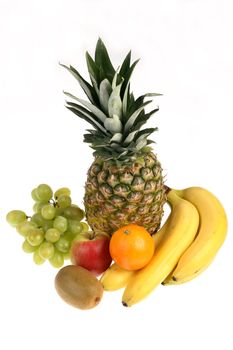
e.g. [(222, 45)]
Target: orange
[(131, 247)]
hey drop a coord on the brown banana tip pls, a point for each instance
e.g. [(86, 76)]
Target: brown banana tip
[(174, 278), (124, 303), (167, 189)]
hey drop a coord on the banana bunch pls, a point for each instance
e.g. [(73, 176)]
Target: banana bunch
[(184, 247)]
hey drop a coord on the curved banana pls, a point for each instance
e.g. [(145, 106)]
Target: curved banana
[(170, 281), (116, 277), (179, 235), (210, 237)]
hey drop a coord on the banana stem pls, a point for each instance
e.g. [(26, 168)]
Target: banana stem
[(179, 193), (167, 189)]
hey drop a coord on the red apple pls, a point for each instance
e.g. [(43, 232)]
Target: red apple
[(91, 251)]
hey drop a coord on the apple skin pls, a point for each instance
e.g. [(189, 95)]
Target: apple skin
[(91, 252)]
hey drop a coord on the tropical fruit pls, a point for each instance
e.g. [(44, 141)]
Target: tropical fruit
[(125, 184)]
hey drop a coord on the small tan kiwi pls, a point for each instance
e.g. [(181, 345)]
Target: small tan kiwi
[(78, 287)]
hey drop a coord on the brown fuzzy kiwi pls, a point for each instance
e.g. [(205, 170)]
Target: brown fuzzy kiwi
[(78, 287)]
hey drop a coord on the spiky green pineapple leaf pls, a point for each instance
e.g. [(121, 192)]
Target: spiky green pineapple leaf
[(86, 115), (95, 110), (117, 138), (125, 65), (122, 155), (107, 154), (131, 101), (102, 74), (115, 103), (101, 145), (93, 69), (87, 88), (127, 77), (131, 146), (95, 84), (130, 122), (114, 81), (93, 132), (96, 140), (130, 138), (125, 101), (139, 101), (149, 142), (113, 124), (141, 143), (105, 91), (143, 134), (144, 117), (89, 138), (102, 60)]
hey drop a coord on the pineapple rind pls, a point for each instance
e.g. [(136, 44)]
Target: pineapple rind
[(119, 195)]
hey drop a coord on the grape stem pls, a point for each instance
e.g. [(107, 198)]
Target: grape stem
[(53, 202)]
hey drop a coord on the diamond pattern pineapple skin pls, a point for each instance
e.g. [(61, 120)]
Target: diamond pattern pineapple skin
[(117, 195)]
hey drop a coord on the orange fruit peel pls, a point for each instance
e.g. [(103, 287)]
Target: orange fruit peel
[(131, 247)]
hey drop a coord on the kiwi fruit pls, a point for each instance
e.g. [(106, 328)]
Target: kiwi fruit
[(78, 287)]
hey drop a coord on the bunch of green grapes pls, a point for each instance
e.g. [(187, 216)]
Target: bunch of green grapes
[(49, 232)]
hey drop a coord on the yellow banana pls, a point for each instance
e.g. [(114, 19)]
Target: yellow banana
[(116, 277), (211, 235), (170, 281), (179, 235)]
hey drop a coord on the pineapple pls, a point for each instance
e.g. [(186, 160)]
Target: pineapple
[(125, 182)]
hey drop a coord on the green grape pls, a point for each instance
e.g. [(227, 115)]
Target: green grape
[(44, 192), (59, 211), (64, 201), (15, 217), (38, 260), (38, 206), (35, 195), (85, 226), (66, 256), (57, 259), (63, 244), (69, 236), (48, 212), (24, 227), (75, 226), (35, 237), (47, 224), (52, 235), (35, 208), (38, 219), (60, 191), (74, 212), (46, 250), (28, 248), (60, 223)]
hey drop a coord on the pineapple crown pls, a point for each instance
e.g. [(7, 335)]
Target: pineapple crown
[(115, 115)]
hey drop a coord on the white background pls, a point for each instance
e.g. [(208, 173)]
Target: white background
[(186, 51)]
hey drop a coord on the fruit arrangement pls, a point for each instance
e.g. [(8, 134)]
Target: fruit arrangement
[(126, 246)]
